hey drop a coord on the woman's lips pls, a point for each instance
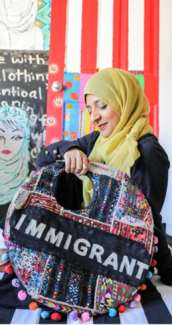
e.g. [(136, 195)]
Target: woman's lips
[(6, 151), (102, 126)]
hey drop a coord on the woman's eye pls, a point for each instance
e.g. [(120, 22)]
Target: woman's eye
[(17, 137), (104, 106)]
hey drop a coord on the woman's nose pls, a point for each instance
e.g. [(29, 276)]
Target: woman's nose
[(3, 140), (95, 115)]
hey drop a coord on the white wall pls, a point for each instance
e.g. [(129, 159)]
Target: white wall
[(165, 99)]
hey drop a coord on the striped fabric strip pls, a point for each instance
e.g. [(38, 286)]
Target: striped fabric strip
[(26, 316), (134, 315), (73, 36), (155, 309), (89, 36), (120, 34), (151, 58), (6, 315), (105, 32), (136, 35), (165, 292), (56, 70), (84, 118)]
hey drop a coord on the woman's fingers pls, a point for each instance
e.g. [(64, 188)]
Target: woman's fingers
[(72, 164), (84, 165), (79, 163), (67, 163), (76, 162)]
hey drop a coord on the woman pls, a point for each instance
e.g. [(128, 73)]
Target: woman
[(14, 154), (14, 161), (119, 109)]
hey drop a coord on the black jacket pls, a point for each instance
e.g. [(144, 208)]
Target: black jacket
[(149, 173)]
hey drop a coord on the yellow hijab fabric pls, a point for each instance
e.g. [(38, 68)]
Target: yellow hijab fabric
[(120, 90)]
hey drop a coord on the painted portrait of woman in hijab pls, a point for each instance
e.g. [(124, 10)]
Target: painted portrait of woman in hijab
[(17, 25), (14, 153)]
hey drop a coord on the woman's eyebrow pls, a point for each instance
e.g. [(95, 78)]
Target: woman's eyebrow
[(96, 102), (16, 130)]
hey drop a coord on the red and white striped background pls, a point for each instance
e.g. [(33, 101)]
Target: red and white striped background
[(87, 35)]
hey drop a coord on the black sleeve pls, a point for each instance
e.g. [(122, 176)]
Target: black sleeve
[(56, 150), (150, 172)]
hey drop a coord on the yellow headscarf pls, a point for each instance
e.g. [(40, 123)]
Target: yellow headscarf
[(122, 91)]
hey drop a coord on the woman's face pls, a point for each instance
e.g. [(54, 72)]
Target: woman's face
[(102, 116), (16, 10), (11, 140)]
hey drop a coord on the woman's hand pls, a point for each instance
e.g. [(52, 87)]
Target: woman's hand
[(76, 161)]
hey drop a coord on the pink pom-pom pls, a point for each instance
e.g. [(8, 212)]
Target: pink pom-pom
[(137, 298), (85, 316), (22, 295)]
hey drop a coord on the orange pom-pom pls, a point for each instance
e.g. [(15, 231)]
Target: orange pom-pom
[(143, 286), (33, 305), (56, 316)]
